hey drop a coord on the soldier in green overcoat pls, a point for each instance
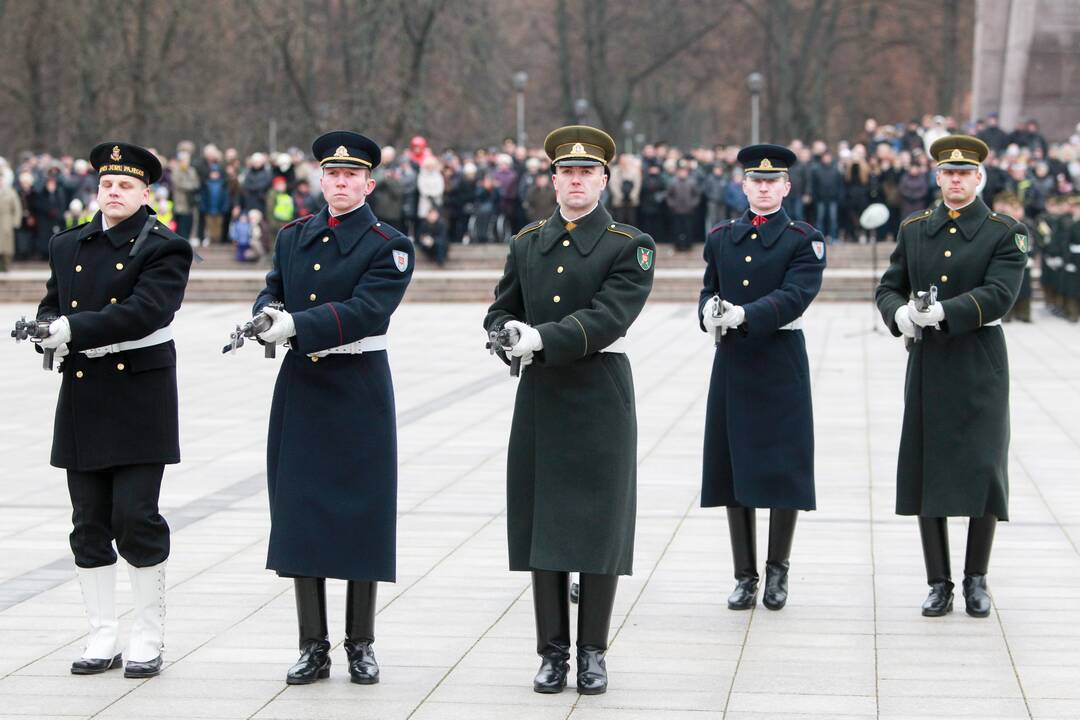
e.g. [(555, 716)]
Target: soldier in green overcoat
[(573, 285), (954, 444)]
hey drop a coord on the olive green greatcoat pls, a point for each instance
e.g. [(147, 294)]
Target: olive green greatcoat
[(954, 444), (571, 482)]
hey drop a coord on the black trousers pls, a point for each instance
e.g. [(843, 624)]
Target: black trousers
[(120, 504)]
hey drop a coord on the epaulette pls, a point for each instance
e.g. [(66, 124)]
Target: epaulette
[(297, 221), (916, 217), (164, 231), (529, 228), (618, 229), (797, 226), (1004, 219), (73, 228), (377, 227), (721, 225)]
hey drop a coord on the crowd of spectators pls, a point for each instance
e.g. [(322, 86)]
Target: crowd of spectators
[(484, 196)]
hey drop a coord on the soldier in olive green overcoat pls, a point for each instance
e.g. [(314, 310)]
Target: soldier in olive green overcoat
[(954, 444), (573, 285)]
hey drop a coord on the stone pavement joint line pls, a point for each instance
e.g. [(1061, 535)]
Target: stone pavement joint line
[(455, 634)]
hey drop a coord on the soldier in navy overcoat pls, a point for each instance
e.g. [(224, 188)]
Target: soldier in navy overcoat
[(762, 272), (332, 445)]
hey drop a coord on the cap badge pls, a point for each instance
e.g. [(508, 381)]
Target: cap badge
[(956, 155), (765, 164), (341, 152), (578, 149), (115, 157)]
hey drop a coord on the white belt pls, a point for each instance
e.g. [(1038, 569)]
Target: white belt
[(619, 346), (368, 344), (795, 324), (1075, 249), (992, 323), (157, 337)]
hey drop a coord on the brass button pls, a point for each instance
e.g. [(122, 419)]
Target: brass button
[(74, 303), (948, 253), (944, 278), (559, 269), (312, 297), (120, 366), (317, 267), (119, 266), (78, 374), (112, 301), (314, 358), (746, 283), (566, 243), (556, 298), (753, 236), (952, 230), (748, 258), (78, 268), (325, 239)]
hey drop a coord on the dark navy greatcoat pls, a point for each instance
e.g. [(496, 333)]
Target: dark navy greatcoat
[(331, 454), (759, 426), (120, 408)]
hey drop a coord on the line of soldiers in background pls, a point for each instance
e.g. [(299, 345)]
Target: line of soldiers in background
[(442, 198)]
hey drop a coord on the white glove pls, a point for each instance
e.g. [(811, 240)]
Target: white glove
[(733, 316), (59, 333), (708, 310), (282, 329), (931, 317), (529, 342), (526, 360), (62, 351), (903, 321)]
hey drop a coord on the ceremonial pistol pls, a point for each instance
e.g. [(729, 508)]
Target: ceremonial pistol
[(35, 331), (251, 331), (504, 339), (923, 303)]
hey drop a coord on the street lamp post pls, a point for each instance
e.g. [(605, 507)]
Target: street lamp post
[(628, 134), (755, 82), (581, 108), (520, 78)]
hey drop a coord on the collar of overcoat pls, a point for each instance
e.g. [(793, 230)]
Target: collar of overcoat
[(353, 226), (768, 232), (971, 219), (586, 233)]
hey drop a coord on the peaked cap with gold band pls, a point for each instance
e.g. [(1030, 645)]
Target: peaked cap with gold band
[(765, 160), (347, 150), (958, 152), (117, 158), (579, 145)]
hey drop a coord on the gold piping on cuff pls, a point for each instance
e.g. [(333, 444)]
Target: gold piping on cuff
[(583, 333), (978, 308)]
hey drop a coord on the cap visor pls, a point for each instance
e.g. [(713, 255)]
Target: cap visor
[(958, 166), (764, 174), (344, 164), (576, 162)]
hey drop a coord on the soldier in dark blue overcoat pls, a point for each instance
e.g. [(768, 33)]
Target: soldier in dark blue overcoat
[(332, 446), (762, 271), (114, 285)]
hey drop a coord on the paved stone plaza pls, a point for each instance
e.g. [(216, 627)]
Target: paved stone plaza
[(455, 634)]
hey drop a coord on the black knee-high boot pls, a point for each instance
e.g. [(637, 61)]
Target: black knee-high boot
[(360, 631), (742, 527), (551, 604), (934, 532), (594, 623), (314, 662), (980, 541), (781, 535)]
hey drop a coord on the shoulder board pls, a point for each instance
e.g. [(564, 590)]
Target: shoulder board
[(1002, 218), (803, 228), (379, 229), (916, 217), (529, 228), (297, 221), (620, 229), (73, 228), (721, 225), (162, 230)]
